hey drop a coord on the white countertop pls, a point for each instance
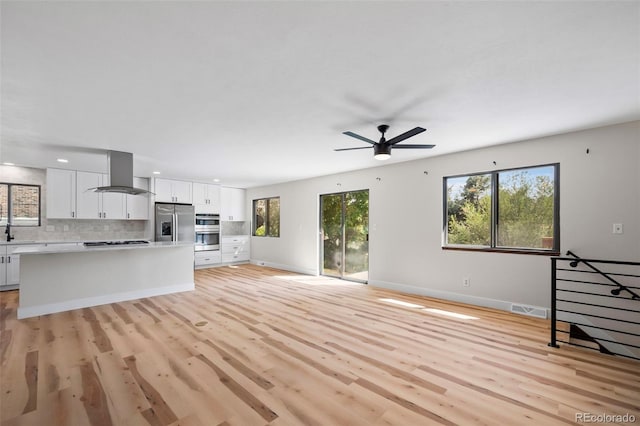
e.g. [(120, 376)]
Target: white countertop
[(25, 242), (80, 248), (21, 243)]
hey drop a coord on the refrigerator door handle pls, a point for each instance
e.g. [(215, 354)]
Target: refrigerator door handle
[(175, 238)]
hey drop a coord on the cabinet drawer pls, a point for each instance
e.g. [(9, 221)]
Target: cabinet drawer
[(235, 248), (243, 239), (207, 257), (230, 257)]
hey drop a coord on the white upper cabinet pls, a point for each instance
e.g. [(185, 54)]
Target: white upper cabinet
[(206, 198), (114, 205), (88, 201), (93, 205), (138, 205), (232, 204), (173, 191), (61, 194)]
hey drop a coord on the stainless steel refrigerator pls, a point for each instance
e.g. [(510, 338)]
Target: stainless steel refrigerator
[(175, 222)]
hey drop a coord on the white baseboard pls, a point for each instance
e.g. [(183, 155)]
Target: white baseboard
[(486, 302), (503, 305), (284, 267), (68, 305)]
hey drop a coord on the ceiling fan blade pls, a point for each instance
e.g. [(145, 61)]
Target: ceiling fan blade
[(362, 138), (413, 146), (405, 135), (349, 149)]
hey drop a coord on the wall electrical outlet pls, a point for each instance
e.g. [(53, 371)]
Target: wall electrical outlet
[(466, 282), (617, 228)]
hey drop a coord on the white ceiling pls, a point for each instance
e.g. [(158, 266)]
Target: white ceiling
[(255, 93)]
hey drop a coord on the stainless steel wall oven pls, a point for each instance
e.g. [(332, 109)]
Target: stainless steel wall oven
[(207, 232)]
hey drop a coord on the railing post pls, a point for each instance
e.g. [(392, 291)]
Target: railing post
[(553, 343)]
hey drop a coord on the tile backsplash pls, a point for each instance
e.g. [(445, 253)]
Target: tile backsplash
[(234, 228), (81, 230)]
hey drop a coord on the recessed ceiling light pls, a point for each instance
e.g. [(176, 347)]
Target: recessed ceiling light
[(62, 160), (216, 180), (156, 173), (8, 164)]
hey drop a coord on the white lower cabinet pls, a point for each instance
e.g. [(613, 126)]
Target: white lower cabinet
[(235, 249), (10, 266), (204, 258)]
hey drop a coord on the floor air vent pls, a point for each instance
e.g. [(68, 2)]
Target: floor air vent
[(532, 311)]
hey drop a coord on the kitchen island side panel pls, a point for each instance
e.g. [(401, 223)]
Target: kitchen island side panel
[(57, 282)]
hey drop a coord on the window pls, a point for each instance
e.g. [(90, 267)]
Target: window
[(510, 210), (266, 217), (19, 204)]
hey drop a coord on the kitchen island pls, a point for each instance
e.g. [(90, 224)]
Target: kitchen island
[(60, 278)]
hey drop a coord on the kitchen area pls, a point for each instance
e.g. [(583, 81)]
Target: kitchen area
[(99, 239)]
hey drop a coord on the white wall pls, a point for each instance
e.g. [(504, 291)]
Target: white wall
[(596, 190)]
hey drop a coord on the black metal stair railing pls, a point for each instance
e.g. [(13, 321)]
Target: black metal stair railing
[(596, 304)]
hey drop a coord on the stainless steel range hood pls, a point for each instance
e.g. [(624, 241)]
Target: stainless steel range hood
[(121, 175)]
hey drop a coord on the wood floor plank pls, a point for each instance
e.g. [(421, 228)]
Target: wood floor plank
[(159, 413), (31, 377), (94, 398), (255, 345)]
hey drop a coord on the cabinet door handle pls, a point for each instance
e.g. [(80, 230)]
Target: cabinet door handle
[(2, 259), (73, 214), (8, 259), (128, 215), (104, 215)]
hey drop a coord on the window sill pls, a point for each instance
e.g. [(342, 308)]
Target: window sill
[(504, 250)]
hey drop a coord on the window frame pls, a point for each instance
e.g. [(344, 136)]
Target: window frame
[(10, 203), (495, 200), (266, 217)]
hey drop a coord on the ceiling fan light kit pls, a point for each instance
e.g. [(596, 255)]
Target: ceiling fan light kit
[(381, 151), (382, 148)]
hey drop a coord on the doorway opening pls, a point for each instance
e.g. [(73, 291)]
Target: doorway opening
[(344, 235)]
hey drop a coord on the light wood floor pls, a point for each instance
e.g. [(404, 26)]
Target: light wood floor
[(255, 346)]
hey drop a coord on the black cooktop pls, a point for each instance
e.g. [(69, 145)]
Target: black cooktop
[(114, 243)]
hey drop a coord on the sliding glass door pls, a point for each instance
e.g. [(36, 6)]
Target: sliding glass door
[(344, 232)]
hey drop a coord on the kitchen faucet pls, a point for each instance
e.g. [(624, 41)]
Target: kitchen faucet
[(8, 232)]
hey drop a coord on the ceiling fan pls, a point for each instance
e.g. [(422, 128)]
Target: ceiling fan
[(382, 148)]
